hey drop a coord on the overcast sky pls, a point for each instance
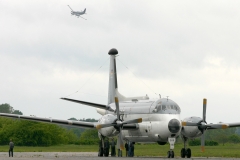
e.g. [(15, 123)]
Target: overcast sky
[(187, 50)]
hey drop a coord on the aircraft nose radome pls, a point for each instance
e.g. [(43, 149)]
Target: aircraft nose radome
[(113, 51), (174, 125)]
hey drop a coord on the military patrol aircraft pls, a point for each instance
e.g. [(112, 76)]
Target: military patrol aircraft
[(78, 13), (138, 119)]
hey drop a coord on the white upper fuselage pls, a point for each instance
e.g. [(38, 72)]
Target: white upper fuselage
[(77, 13), (156, 116)]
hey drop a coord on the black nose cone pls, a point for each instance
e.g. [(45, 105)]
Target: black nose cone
[(113, 52), (174, 126)]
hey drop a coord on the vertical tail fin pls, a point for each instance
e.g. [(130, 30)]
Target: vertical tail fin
[(84, 11), (112, 86)]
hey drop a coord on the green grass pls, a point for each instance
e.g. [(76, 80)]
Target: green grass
[(151, 150), (58, 148)]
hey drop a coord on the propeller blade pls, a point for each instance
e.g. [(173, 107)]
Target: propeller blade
[(189, 124), (99, 126), (204, 109), (120, 140), (218, 126), (139, 120), (203, 141), (117, 107)]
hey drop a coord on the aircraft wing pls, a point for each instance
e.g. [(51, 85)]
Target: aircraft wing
[(101, 106), (223, 125), (51, 120), (212, 126)]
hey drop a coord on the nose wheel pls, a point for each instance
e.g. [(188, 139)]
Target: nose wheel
[(170, 154)]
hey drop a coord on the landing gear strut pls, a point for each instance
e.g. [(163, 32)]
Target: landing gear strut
[(185, 152), (170, 153)]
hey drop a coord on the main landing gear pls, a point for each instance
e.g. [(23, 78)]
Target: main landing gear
[(170, 153), (185, 152)]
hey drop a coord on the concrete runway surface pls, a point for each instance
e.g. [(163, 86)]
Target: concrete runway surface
[(83, 156)]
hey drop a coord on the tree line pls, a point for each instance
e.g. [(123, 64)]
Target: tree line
[(215, 137), (31, 133)]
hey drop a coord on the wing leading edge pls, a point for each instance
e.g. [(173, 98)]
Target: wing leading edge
[(51, 120), (212, 126), (65, 122)]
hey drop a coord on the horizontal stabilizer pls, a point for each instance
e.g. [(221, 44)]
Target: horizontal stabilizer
[(101, 106), (123, 98)]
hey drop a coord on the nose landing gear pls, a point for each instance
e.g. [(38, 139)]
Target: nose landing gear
[(170, 153)]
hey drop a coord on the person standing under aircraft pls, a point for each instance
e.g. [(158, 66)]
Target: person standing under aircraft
[(131, 149), (126, 147), (11, 146), (100, 152), (106, 148), (113, 151)]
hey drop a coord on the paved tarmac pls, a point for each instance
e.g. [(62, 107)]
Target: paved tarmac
[(84, 156)]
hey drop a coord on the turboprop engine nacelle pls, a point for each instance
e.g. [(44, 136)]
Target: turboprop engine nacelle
[(108, 131), (192, 131)]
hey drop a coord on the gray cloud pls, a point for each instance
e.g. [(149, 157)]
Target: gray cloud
[(183, 49)]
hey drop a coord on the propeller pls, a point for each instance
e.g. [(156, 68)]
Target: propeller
[(118, 124), (203, 126)]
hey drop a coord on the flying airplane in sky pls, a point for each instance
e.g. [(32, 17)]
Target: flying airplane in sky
[(78, 13), (139, 119)]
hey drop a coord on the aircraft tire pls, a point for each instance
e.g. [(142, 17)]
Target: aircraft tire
[(106, 152), (172, 154), (100, 152), (168, 154), (183, 152), (189, 153)]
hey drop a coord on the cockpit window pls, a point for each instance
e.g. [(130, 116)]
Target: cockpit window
[(174, 107), (163, 107), (160, 107)]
